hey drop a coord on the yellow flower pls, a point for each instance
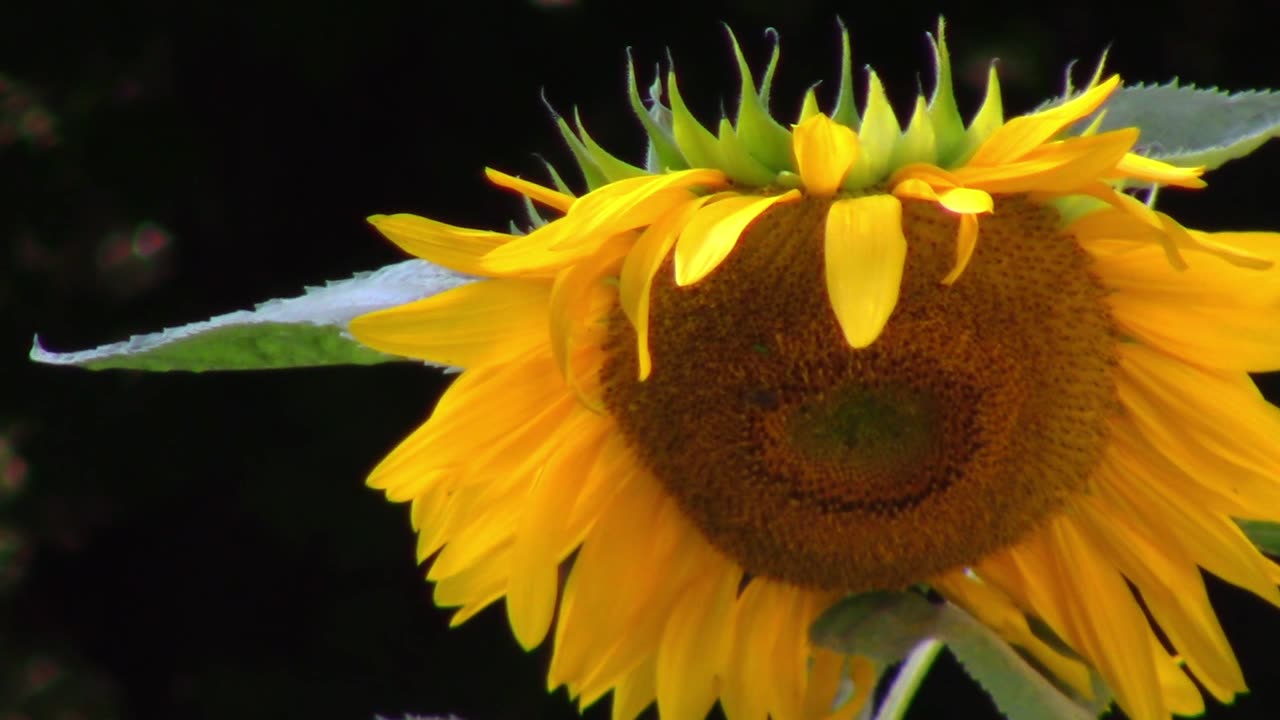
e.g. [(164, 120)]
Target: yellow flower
[(781, 365)]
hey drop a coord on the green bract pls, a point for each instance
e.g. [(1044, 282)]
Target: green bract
[(754, 149)]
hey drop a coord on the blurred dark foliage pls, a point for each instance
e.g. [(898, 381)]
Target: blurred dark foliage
[(184, 546)]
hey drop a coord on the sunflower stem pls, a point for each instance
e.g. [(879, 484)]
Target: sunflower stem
[(912, 673)]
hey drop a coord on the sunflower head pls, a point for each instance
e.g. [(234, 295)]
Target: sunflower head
[(781, 363)]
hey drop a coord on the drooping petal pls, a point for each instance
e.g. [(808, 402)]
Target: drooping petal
[(638, 270), (966, 242), (573, 297), (865, 251), (713, 232)]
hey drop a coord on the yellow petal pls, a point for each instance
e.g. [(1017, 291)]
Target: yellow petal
[(542, 538), (594, 219), (994, 609), (1202, 331), (456, 248), (634, 692), (636, 279), (915, 189), (551, 198), (571, 299), (966, 241), (468, 421), (824, 150), (749, 678), (614, 580), (714, 231), (477, 586), (1075, 587), (1171, 586), (1137, 167), (1063, 166), (1227, 442), (1013, 140), (695, 643), (480, 323), (967, 201), (865, 251), (935, 177)]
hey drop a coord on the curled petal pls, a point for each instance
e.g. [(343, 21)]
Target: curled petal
[(966, 201), (966, 241), (825, 150), (551, 198)]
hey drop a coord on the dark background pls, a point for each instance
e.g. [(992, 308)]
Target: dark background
[(184, 546)]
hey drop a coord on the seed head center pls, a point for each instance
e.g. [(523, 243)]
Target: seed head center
[(981, 407)]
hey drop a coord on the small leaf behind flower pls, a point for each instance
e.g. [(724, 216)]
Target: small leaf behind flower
[(1017, 688), (882, 626), (886, 626), (305, 331), (1189, 126), (1265, 535)]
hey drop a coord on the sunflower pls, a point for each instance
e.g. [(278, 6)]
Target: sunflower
[(779, 365)]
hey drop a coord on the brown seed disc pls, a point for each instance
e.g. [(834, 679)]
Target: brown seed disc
[(978, 411)]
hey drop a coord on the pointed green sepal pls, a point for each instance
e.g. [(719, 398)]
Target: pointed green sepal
[(696, 143), (944, 114), (878, 137), (556, 180), (611, 167), (305, 331), (761, 135), (766, 82), (739, 164), (987, 120), (591, 173), (846, 109), (665, 155), (531, 214), (810, 106), (920, 142)]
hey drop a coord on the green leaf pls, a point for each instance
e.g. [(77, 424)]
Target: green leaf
[(305, 331), (662, 155), (886, 626), (1016, 687), (1190, 126), (763, 137), (1266, 535), (881, 626)]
